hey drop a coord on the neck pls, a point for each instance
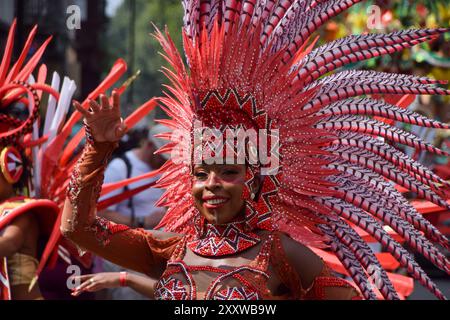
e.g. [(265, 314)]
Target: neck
[(206, 229), (225, 239), (139, 154)]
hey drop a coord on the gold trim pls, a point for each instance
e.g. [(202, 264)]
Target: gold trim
[(3, 166)]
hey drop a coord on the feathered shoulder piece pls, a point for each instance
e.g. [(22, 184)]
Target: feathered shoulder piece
[(252, 64)]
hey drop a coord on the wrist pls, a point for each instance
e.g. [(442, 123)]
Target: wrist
[(96, 154), (88, 133), (102, 139), (123, 279)]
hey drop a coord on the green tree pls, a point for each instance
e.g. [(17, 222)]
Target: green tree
[(147, 58)]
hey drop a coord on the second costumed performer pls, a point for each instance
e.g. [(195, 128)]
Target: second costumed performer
[(243, 230)]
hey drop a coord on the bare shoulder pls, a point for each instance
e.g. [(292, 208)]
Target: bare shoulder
[(307, 264), (25, 220)]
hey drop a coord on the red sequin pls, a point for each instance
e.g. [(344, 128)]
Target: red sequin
[(252, 277), (221, 240)]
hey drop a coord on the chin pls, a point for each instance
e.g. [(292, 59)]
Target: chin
[(214, 218)]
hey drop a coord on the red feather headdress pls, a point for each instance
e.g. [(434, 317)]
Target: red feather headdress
[(250, 63)]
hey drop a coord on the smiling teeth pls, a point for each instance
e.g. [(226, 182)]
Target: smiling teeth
[(216, 201)]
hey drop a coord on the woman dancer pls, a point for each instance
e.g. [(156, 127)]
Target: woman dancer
[(269, 158)]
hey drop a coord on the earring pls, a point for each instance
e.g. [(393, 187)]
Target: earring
[(11, 164)]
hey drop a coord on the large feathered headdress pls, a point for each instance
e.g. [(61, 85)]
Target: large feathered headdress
[(18, 88), (251, 62)]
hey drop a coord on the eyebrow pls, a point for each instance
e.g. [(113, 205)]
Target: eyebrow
[(209, 166)]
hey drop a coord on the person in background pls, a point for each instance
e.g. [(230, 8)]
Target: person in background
[(138, 211), (25, 220)]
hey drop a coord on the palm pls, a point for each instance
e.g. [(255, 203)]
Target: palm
[(103, 125), (104, 119)]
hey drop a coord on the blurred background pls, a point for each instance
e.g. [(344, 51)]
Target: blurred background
[(109, 29), (112, 29)]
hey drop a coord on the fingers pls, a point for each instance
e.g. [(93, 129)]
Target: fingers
[(88, 284), (116, 100), (82, 287), (94, 106), (82, 278), (90, 288), (105, 102), (121, 129), (80, 109)]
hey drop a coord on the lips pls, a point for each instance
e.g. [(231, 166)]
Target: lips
[(214, 202)]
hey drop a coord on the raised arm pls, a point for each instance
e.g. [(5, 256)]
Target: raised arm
[(132, 248)]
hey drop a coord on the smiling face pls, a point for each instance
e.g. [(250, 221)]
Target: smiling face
[(217, 191)]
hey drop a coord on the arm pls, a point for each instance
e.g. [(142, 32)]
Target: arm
[(327, 286), (115, 216), (149, 222), (133, 249), (315, 279), (105, 280), (13, 236), (142, 285)]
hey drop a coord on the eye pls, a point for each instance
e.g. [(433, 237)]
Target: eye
[(201, 175)]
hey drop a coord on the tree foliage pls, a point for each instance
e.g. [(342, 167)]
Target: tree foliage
[(147, 58)]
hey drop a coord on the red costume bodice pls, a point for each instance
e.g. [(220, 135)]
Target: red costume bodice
[(246, 282), (243, 282)]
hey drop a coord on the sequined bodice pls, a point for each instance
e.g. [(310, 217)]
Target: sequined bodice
[(246, 282)]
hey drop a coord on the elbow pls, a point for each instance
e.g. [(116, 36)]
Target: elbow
[(69, 233), (66, 232), (69, 227)]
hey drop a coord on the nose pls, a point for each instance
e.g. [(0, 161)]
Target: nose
[(213, 181)]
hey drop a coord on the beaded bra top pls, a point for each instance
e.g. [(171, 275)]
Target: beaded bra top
[(177, 282)]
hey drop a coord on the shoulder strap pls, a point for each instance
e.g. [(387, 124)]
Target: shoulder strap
[(47, 212), (261, 262), (127, 164), (126, 188)]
